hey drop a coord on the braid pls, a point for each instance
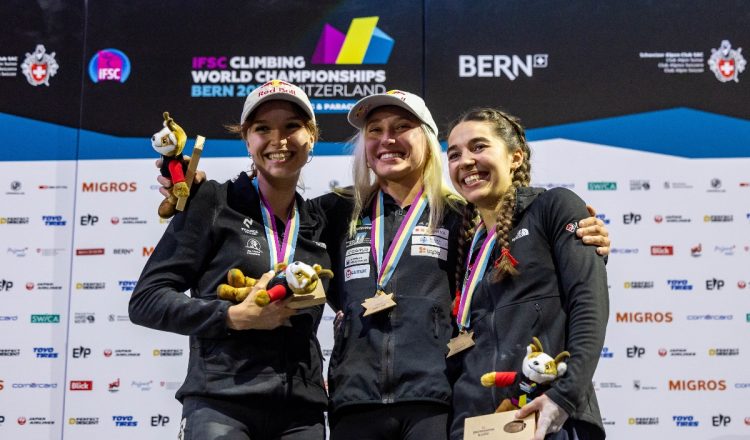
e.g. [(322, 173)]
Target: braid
[(508, 128)]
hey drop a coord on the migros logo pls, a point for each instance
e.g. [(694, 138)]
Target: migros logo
[(697, 385), (643, 317), (109, 187), (364, 43)]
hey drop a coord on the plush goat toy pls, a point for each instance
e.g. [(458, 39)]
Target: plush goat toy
[(538, 367), (295, 279)]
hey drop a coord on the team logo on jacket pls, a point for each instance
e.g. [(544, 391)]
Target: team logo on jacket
[(39, 66), (727, 63), (522, 233), (253, 247), (247, 224), (571, 227)]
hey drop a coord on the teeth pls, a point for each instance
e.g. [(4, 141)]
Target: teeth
[(471, 179), (279, 155), (390, 155)]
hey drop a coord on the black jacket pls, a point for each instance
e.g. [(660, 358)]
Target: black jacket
[(559, 296), (397, 355), (221, 230)]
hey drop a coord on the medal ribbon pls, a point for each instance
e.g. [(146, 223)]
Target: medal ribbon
[(279, 252), (475, 274), (387, 265)]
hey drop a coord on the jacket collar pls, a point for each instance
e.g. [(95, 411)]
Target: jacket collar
[(525, 196)]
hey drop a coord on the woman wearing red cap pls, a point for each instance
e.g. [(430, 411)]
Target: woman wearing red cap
[(249, 376)]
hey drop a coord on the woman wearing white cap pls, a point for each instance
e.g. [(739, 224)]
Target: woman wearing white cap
[(249, 375), (393, 247)]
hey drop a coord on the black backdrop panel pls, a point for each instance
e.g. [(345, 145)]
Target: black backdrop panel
[(163, 39), (602, 58)]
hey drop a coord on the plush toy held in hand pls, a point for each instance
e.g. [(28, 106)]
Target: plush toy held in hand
[(538, 368), (295, 279), (169, 142)]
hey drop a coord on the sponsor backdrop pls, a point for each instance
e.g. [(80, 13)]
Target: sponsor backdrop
[(640, 108)]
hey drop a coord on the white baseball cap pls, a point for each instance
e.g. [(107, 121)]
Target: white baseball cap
[(277, 89), (408, 101)]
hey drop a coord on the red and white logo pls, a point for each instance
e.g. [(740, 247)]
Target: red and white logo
[(741, 284), (29, 286), (662, 250), (39, 67), (81, 385), (115, 220), (727, 63), (107, 352), (662, 352), (22, 420), (658, 218)]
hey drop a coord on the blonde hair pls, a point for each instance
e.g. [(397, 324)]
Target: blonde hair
[(439, 195)]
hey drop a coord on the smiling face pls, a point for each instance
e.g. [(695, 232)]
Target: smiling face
[(479, 163), (278, 140), (395, 144)]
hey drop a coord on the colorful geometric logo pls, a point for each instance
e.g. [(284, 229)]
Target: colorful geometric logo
[(109, 65), (363, 43)]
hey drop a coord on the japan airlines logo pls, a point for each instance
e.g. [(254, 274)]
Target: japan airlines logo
[(727, 63), (364, 43)]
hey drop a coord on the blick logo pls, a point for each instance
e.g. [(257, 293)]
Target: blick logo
[(363, 43)]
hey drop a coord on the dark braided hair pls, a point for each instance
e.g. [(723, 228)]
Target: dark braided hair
[(468, 228), (508, 128)]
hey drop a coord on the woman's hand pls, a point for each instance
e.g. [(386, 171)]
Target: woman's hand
[(249, 316), (551, 416), (166, 182), (593, 232)]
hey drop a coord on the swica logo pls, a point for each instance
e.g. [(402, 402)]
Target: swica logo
[(364, 43), (109, 65), (697, 385)]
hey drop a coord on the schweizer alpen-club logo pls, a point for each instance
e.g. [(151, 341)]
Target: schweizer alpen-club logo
[(727, 63), (39, 67)]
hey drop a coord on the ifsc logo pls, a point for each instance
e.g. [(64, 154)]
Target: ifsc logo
[(109, 65)]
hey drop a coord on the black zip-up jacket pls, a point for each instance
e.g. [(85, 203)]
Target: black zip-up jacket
[(397, 355), (221, 230), (559, 296)]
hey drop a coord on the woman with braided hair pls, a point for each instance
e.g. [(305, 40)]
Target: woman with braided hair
[(540, 280)]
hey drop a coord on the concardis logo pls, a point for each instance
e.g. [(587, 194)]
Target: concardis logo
[(109, 65), (364, 43)]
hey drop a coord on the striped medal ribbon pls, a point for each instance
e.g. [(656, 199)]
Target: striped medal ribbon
[(279, 252)]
